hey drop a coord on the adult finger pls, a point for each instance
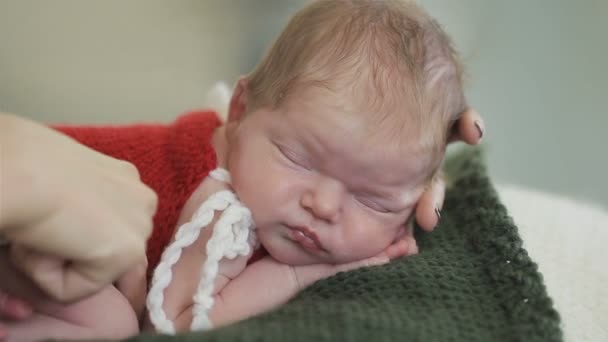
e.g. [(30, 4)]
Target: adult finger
[(428, 210), (470, 128)]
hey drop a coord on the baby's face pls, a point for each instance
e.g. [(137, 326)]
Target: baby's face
[(320, 191)]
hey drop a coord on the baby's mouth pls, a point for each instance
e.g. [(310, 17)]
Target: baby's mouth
[(306, 238)]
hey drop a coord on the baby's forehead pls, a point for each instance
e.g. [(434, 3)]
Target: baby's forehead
[(373, 120), (357, 99), (345, 141)]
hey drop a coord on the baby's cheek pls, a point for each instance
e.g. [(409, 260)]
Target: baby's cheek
[(375, 240), (355, 248), (261, 203), (365, 235)]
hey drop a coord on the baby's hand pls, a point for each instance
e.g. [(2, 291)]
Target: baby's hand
[(305, 275), (13, 308), (403, 246)]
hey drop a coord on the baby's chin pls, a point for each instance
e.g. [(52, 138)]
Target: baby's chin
[(286, 251)]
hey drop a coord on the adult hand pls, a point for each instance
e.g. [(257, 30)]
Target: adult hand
[(469, 129), (75, 218)]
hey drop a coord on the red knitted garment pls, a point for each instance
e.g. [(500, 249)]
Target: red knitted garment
[(172, 159)]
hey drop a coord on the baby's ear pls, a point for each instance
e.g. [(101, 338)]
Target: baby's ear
[(238, 101)]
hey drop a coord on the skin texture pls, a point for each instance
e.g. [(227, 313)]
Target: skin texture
[(326, 174), (63, 201), (264, 150), (316, 193), (306, 155)]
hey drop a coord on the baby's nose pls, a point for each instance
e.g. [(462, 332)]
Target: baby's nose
[(325, 201)]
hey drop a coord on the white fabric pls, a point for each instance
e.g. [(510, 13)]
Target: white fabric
[(567, 239), (232, 236), (218, 98)]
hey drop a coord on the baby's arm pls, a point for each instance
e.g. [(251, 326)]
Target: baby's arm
[(242, 291), (267, 284), (133, 286), (186, 277)]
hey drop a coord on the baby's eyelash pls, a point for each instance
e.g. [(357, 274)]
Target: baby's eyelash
[(372, 205), (289, 156)]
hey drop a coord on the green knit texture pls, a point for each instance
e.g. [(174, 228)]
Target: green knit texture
[(472, 281)]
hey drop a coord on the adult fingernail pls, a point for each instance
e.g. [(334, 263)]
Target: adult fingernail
[(438, 212), (479, 129)]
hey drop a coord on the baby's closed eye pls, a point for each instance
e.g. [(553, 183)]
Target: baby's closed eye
[(371, 204), (293, 157)]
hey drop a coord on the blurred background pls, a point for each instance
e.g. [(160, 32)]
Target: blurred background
[(536, 70)]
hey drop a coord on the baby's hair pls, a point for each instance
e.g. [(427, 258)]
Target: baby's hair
[(387, 50)]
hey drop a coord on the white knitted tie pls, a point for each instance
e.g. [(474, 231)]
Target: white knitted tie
[(232, 236)]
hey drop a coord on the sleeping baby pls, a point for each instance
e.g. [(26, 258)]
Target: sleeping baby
[(329, 143)]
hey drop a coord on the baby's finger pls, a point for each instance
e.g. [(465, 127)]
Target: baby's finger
[(398, 249), (469, 128), (13, 308), (373, 261), (376, 261), (412, 247), (405, 245), (428, 210)]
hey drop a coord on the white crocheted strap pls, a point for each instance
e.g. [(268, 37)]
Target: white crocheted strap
[(221, 175), (200, 321), (218, 202), (186, 235), (230, 238)]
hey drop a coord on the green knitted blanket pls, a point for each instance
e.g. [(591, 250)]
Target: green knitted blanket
[(472, 281)]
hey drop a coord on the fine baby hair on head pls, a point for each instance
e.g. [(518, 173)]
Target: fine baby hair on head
[(389, 53)]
